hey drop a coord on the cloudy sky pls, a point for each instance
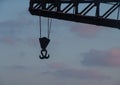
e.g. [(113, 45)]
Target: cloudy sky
[(80, 54)]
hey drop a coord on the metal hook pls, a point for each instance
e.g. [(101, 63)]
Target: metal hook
[(44, 54), (44, 43)]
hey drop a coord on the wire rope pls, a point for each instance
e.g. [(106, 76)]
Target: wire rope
[(48, 26), (40, 26), (118, 14)]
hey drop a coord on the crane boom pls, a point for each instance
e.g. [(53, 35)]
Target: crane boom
[(83, 11)]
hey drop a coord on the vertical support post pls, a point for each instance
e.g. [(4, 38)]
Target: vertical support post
[(58, 5), (43, 4), (76, 7), (75, 4), (97, 4)]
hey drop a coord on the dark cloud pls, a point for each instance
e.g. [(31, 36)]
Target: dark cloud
[(110, 58), (65, 72)]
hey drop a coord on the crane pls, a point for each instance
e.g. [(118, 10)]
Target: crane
[(55, 9), (83, 11)]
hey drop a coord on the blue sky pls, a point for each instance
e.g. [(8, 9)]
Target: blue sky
[(80, 53)]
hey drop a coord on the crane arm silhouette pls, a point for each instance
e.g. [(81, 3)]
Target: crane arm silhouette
[(71, 10)]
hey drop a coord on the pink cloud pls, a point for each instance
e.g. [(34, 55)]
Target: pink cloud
[(115, 52), (109, 58), (86, 31), (8, 40), (56, 65), (64, 71), (114, 58), (15, 40)]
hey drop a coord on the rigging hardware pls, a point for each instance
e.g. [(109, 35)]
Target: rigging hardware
[(44, 41)]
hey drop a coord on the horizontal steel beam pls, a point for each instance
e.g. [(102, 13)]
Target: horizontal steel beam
[(72, 1), (70, 10), (77, 18)]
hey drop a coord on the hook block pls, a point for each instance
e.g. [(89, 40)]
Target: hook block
[(44, 42)]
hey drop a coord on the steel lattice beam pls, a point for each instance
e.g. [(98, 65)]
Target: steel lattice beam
[(84, 11)]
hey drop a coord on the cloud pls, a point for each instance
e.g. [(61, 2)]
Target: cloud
[(19, 30), (12, 41), (65, 72), (86, 31), (16, 67), (7, 40), (110, 58), (17, 26), (16, 23)]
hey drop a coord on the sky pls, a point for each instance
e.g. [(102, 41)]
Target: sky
[(80, 54)]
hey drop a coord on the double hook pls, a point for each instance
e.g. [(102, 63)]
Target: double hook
[(44, 54), (44, 43)]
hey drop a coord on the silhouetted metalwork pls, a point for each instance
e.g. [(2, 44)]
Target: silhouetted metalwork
[(79, 11), (44, 43)]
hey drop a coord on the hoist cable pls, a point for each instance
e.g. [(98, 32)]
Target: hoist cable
[(118, 14), (49, 26), (40, 26)]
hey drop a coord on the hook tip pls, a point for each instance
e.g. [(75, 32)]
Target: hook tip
[(41, 57), (47, 56)]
